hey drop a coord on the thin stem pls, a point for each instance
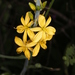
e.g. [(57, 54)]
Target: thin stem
[(37, 12), (50, 5), (24, 68), (12, 57)]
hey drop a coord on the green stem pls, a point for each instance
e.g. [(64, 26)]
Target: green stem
[(37, 12), (12, 57), (50, 5), (25, 67)]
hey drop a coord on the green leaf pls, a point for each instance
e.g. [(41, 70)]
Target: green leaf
[(69, 58), (66, 63)]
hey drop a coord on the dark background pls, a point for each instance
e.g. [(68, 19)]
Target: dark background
[(63, 19)]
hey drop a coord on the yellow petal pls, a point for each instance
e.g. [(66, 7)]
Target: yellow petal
[(20, 29), (37, 37), (36, 50), (43, 35), (30, 34), (25, 37), (35, 29), (22, 21), (28, 41), (27, 53), (43, 45), (48, 21), (49, 37), (30, 23), (41, 20), (43, 41), (50, 30), (27, 19), (20, 49), (31, 44), (18, 41), (31, 49)]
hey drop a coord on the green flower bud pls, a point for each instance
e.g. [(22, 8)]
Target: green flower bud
[(32, 6), (31, 15), (38, 7), (44, 4)]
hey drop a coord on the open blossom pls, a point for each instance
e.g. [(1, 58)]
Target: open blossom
[(40, 43), (47, 31), (26, 24), (24, 46)]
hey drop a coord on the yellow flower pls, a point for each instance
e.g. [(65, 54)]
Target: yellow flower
[(40, 43), (25, 24), (47, 31), (24, 46)]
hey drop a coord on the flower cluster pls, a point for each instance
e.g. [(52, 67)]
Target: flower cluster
[(33, 37)]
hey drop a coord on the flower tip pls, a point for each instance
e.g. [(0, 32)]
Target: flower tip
[(14, 27), (15, 37), (50, 18)]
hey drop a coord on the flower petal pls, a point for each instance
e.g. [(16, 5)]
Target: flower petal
[(20, 49), (43, 35), (30, 44), (18, 41), (27, 19), (35, 29), (50, 30), (25, 37), (30, 34), (48, 21), (37, 37), (41, 20), (20, 29), (27, 53), (31, 49), (36, 50), (22, 21), (49, 37), (30, 23), (43, 45)]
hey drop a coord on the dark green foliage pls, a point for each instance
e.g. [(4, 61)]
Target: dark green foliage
[(69, 58)]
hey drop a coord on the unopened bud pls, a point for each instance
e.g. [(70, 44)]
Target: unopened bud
[(32, 6), (31, 15), (44, 4)]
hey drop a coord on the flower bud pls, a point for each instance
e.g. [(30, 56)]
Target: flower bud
[(31, 15), (32, 6), (38, 7), (44, 4)]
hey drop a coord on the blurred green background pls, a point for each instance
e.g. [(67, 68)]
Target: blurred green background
[(63, 19)]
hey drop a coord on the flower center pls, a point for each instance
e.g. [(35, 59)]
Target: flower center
[(43, 28), (26, 27)]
